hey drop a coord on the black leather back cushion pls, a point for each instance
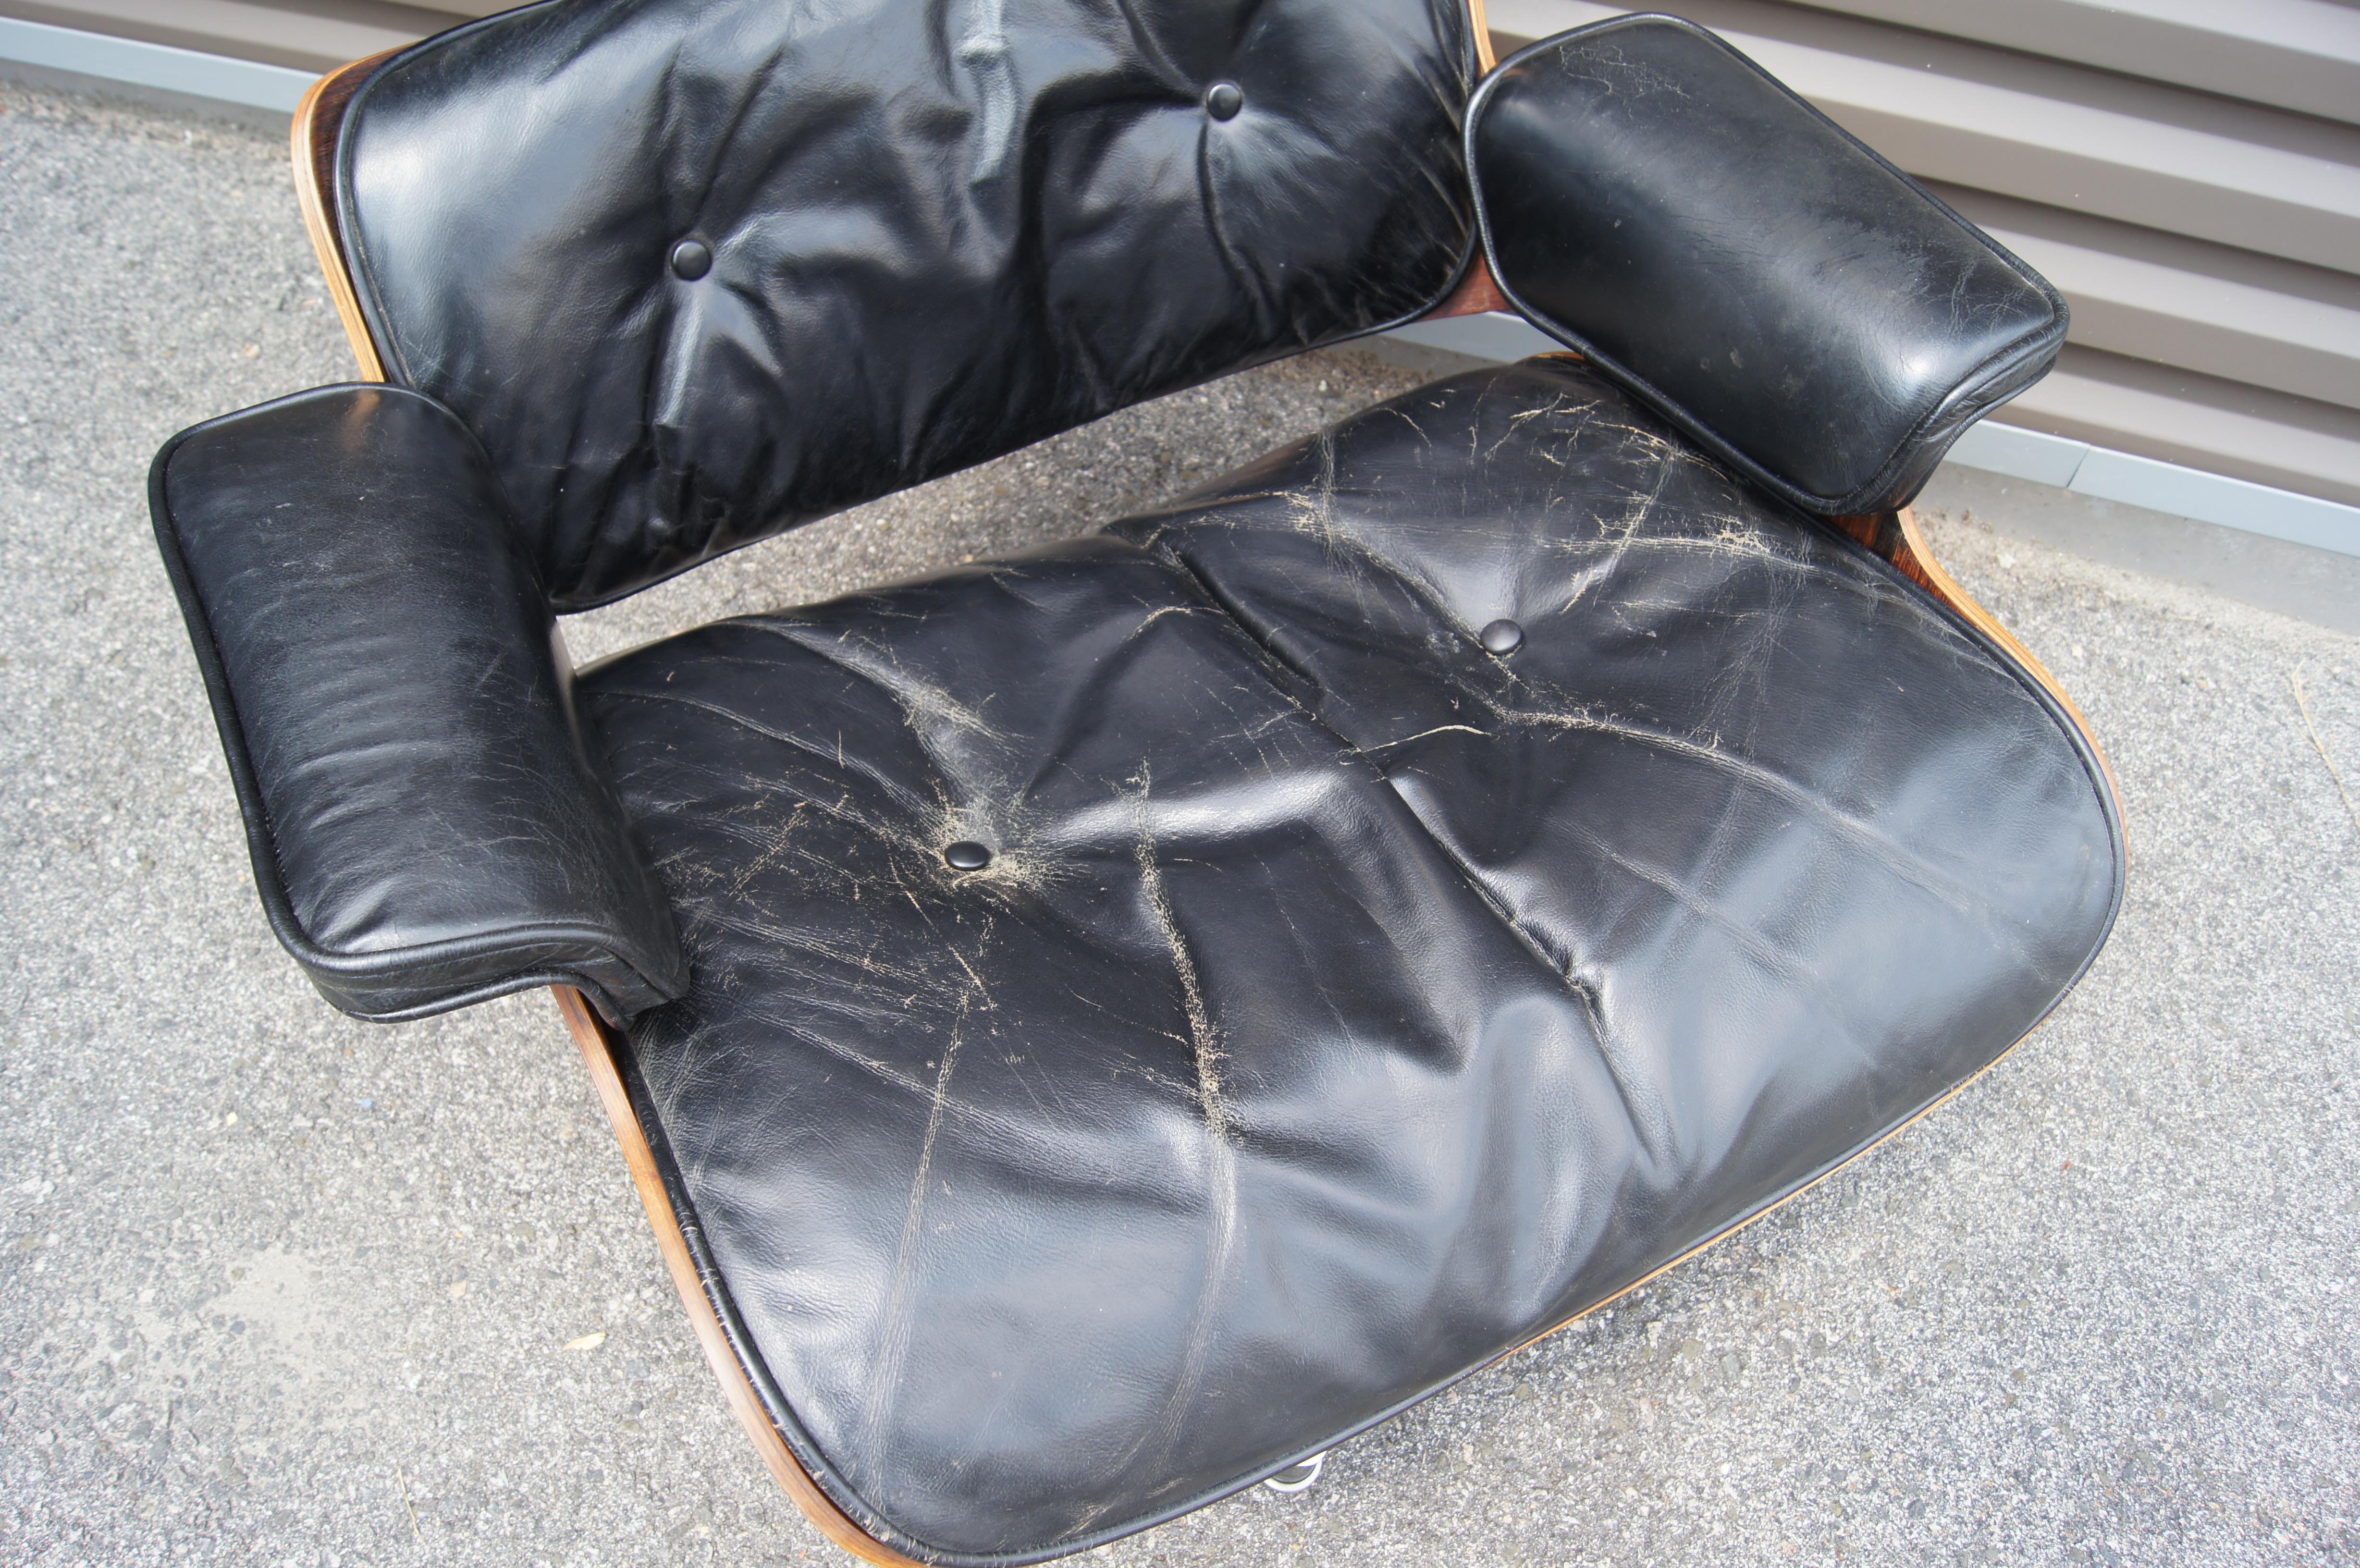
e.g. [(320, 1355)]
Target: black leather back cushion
[(938, 230)]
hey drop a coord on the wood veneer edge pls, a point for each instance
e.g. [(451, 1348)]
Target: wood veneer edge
[(1477, 292), (1486, 57), (312, 144), (591, 1034), (1912, 551), (1862, 1152)]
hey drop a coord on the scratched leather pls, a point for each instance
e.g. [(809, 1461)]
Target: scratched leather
[(1343, 1004), (939, 232), (425, 827), (1793, 302)]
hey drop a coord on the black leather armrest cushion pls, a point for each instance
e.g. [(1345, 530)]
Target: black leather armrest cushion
[(1707, 239), (427, 828)]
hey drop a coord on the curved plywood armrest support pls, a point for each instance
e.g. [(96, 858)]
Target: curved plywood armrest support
[(1476, 293), (313, 143), (597, 1040)]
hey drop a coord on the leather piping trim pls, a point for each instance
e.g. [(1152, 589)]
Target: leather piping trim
[(338, 194), (311, 143), (1927, 1109), (1894, 538), (1897, 536), (2047, 337), (736, 1361), (261, 837)]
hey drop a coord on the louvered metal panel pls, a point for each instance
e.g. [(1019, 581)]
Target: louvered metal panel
[(307, 35), (2287, 54)]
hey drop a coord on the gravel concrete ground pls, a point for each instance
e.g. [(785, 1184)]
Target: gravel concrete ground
[(280, 1288)]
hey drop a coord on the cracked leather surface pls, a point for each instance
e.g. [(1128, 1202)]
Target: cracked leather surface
[(1343, 1004), (426, 828), (937, 232), (1795, 304)]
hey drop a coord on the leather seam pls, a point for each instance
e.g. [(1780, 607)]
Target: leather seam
[(1910, 595), (356, 240)]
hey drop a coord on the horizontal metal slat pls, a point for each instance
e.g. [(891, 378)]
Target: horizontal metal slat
[(317, 36), (2289, 54), (2137, 152), (2228, 313), (2246, 432)]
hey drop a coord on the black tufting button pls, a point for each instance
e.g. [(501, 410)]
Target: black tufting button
[(967, 855), (1223, 100), (692, 260), (1503, 638)]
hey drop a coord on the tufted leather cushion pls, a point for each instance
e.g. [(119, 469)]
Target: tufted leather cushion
[(935, 233), (1344, 1003)]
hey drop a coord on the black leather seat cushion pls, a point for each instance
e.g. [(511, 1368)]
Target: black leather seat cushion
[(1344, 1004)]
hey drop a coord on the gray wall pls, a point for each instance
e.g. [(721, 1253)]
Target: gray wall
[(308, 35)]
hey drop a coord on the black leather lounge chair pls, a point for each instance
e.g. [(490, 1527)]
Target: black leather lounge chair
[(1095, 1028)]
